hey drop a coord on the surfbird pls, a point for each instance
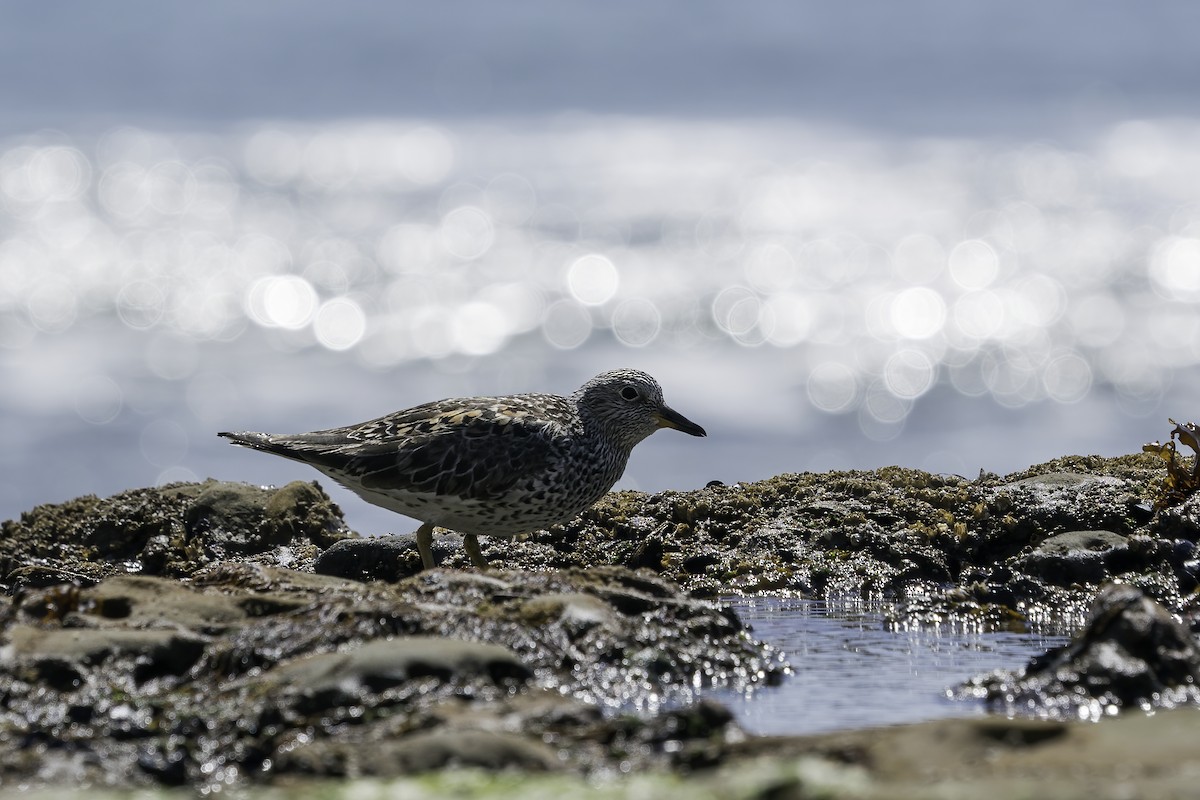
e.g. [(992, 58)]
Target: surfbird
[(492, 466)]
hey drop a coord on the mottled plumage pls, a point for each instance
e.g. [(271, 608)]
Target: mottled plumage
[(496, 466)]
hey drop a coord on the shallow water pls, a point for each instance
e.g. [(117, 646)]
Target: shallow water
[(852, 671)]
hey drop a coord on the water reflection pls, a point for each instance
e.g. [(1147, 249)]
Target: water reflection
[(850, 671)]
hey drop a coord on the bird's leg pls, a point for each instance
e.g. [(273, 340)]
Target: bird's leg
[(471, 545), (425, 544)]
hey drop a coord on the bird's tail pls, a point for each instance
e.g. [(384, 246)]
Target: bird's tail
[(307, 448), (265, 442)]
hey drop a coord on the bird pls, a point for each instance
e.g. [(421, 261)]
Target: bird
[(494, 466)]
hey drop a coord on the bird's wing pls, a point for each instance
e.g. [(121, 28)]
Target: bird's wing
[(473, 448)]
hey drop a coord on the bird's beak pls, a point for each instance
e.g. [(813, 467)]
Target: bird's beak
[(670, 418)]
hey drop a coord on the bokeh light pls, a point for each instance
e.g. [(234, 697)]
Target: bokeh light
[(917, 312), (478, 328), (788, 318), (339, 323), (919, 258), (466, 232), (1067, 378), (636, 322), (1136, 149), (1175, 268), (567, 325), (424, 155), (283, 301), (833, 387), (974, 264), (140, 304), (877, 275), (593, 279), (736, 310), (909, 373)]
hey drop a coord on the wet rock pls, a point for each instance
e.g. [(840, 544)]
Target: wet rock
[(1179, 522), (808, 533), (695, 735), (896, 532), (381, 558), (1077, 557), (1034, 507), (425, 752), (607, 633), (1133, 653), (61, 655), (649, 554), (575, 610), (234, 674), (367, 667), (143, 602), (171, 530), (383, 663), (40, 576)]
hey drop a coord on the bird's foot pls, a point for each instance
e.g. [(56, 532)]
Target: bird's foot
[(471, 545), (425, 545)]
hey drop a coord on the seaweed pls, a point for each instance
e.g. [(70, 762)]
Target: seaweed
[(1183, 479)]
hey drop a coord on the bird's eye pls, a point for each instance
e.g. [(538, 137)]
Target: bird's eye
[(630, 393)]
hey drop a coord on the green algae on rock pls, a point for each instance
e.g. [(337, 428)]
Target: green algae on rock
[(180, 635), (171, 530), (941, 547), (939, 544)]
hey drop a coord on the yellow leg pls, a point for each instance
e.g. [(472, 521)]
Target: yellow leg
[(471, 545), (425, 545)]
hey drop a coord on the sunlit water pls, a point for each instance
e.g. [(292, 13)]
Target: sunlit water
[(852, 671), (817, 298)]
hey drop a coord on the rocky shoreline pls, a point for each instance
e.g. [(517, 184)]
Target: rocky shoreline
[(217, 636)]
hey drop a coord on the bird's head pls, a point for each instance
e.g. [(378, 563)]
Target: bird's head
[(628, 405)]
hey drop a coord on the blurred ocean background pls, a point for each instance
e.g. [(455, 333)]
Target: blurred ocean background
[(953, 236)]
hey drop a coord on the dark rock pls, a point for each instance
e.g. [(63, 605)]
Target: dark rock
[(72, 650), (1076, 557), (649, 554), (230, 673), (1179, 522), (699, 563), (367, 667), (173, 530), (168, 768), (40, 576), (422, 752), (1132, 653), (148, 602), (1032, 508), (378, 558), (383, 663)]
